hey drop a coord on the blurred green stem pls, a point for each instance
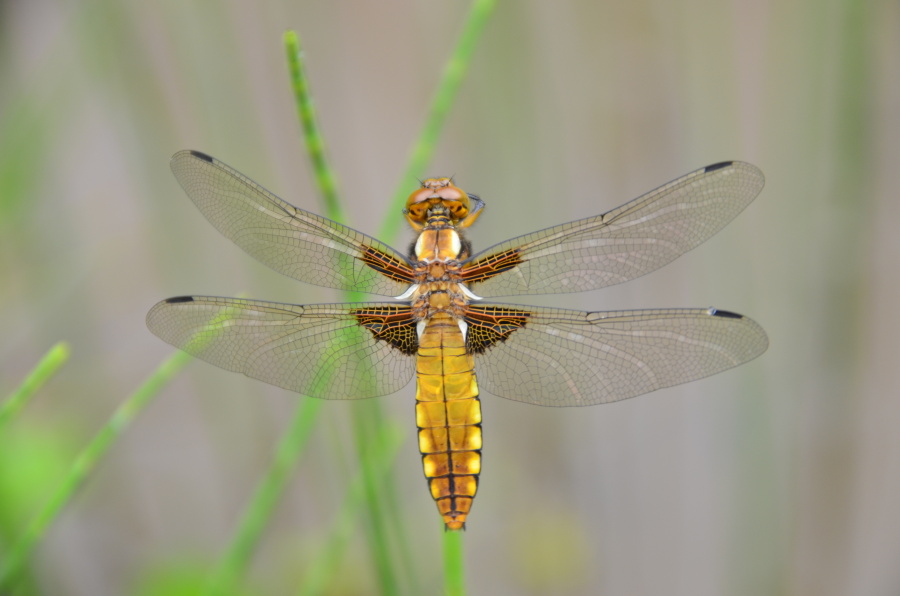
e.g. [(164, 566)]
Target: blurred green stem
[(365, 414), (367, 418), (454, 578), (379, 460), (453, 74), (46, 368), (326, 180), (234, 562), (85, 463), (263, 503)]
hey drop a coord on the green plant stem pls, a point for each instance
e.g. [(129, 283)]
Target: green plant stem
[(237, 556), (379, 460), (421, 154), (366, 414), (394, 518), (453, 74), (85, 463), (46, 368), (263, 503), (365, 433), (326, 180), (454, 578)]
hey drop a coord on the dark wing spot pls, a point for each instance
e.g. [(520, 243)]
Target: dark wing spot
[(201, 155), (178, 299), (726, 314), (393, 324), (717, 166), (491, 324)]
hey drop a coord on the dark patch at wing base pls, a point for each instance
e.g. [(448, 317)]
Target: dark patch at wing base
[(394, 325), (488, 267), (491, 324), (387, 265)]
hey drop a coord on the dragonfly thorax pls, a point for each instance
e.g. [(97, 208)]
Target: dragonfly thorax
[(439, 288), (438, 245)]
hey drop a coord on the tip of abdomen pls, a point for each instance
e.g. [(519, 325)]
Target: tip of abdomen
[(454, 510), (455, 525)]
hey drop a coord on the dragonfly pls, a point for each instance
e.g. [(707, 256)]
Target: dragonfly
[(439, 328)]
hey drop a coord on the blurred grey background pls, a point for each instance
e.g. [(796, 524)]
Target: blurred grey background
[(780, 477)]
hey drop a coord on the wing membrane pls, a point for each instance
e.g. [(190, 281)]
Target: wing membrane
[(330, 351), (625, 243), (553, 357), (291, 241)]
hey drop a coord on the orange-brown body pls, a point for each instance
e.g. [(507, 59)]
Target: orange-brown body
[(437, 329), (448, 414), (448, 411)]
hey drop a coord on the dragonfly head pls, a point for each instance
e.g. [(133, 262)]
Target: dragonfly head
[(441, 195)]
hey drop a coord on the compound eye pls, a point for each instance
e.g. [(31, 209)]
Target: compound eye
[(451, 193), (418, 196)]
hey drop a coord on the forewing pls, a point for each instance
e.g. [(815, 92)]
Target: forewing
[(330, 351), (553, 357), (625, 243), (291, 241)]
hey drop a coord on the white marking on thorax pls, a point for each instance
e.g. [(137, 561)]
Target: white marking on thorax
[(408, 293), (455, 243), (463, 326), (420, 245), (420, 328), (468, 293)]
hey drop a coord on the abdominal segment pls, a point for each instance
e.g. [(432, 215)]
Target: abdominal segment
[(448, 414)]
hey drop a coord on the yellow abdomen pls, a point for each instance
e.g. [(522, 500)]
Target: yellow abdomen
[(448, 414)]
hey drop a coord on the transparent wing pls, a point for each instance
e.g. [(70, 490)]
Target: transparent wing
[(552, 357), (330, 351), (291, 241), (625, 243)]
